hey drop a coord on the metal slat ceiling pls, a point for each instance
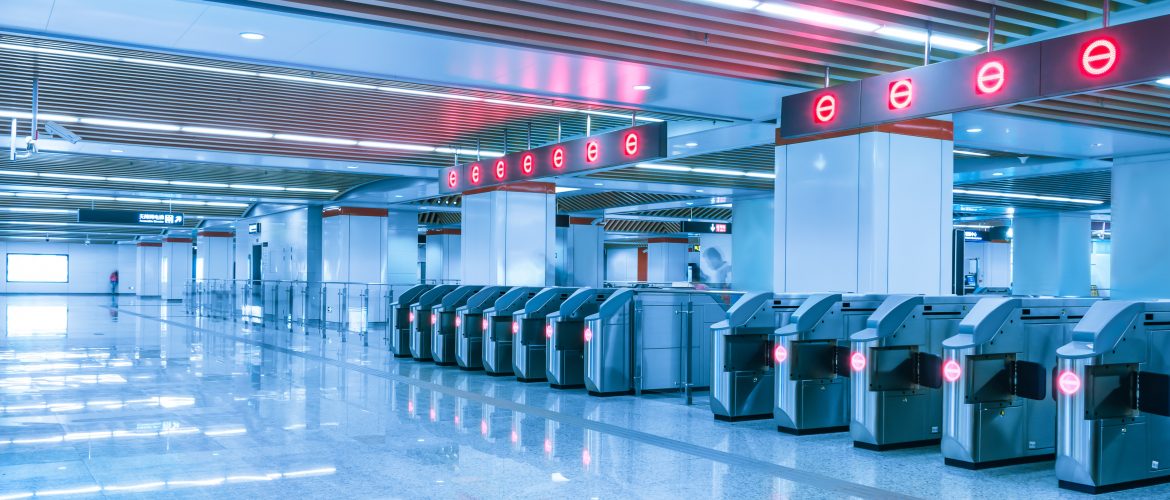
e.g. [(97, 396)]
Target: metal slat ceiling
[(703, 213), (1141, 108), (714, 39), (126, 90), (758, 159), (1089, 185)]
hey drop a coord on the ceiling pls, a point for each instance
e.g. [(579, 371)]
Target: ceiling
[(1082, 185), (701, 36), (1139, 108)]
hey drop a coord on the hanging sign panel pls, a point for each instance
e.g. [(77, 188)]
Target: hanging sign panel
[(688, 226), (1103, 58), (606, 150), (130, 217)]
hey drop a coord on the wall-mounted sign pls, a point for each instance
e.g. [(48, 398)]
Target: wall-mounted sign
[(254, 228), (611, 149), (1108, 57), (689, 226), (130, 217)]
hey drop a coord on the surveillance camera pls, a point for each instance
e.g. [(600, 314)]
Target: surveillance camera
[(54, 128)]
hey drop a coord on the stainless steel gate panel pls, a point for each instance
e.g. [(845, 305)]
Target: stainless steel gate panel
[(469, 327), (499, 330), (401, 319), (443, 329), (420, 324), (565, 332), (528, 349), (742, 377)]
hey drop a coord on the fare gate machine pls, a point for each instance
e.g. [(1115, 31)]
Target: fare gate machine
[(1113, 399), (443, 327), (469, 326), (897, 395), (498, 329), (996, 406), (566, 344), (402, 318), (651, 339), (420, 323), (742, 381), (813, 362), (528, 356)]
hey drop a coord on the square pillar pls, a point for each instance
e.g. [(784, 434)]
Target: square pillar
[(752, 242), (175, 267), (147, 267), (509, 235), (1140, 269), (443, 247), (213, 254), (666, 259), (1050, 255), (866, 213), (584, 253)]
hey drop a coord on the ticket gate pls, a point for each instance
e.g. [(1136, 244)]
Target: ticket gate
[(651, 339), (401, 319), (741, 359), (498, 329), (897, 395), (1113, 399), (565, 353), (420, 323), (528, 356), (469, 326), (443, 319), (813, 362), (996, 406)]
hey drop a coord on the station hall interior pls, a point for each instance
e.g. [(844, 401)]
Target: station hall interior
[(584, 249)]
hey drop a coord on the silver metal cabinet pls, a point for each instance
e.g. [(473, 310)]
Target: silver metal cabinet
[(897, 398), (528, 356), (420, 323), (651, 339), (813, 362), (443, 329), (996, 406), (742, 377), (401, 319), (499, 329), (565, 360), (469, 326), (1113, 399)]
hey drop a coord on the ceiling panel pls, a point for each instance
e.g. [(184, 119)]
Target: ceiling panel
[(1087, 185)]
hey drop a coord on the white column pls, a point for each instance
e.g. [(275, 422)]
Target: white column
[(585, 254), (175, 267), (443, 248), (213, 255), (1140, 269), (1050, 254), (402, 247), (509, 235), (666, 259), (866, 213), (353, 245), (752, 242), (147, 269)]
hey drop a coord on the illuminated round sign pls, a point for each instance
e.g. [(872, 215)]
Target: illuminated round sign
[(527, 164), (558, 157), (951, 370), (857, 361), (901, 94), (779, 354), (501, 169), (1069, 383), (990, 78), (476, 173), (825, 108), (592, 150), (452, 178), (1098, 57), (631, 144)]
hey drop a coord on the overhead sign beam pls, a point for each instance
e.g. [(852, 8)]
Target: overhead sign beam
[(130, 217), (601, 151), (1108, 57)]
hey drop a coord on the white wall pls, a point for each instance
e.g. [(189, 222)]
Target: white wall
[(175, 265), (1051, 254), (1101, 259), (666, 262), (89, 267), (214, 257), (995, 268), (149, 263), (127, 268), (443, 254), (285, 256), (751, 241), (621, 264)]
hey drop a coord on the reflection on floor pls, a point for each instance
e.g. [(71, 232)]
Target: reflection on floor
[(137, 398)]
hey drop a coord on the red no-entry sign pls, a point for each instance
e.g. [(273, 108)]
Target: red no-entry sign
[(990, 78), (901, 94), (1098, 57), (825, 108)]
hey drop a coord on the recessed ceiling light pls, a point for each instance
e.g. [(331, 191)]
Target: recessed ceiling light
[(351, 167), (997, 174), (698, 190), (598, 184), (397, 196), (689, 203), (974, 130), (249, 35), (692, 144), (642, 87), (969, 153), (116, 151)]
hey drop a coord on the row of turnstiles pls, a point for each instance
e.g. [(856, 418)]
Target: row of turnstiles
[(995, 380)]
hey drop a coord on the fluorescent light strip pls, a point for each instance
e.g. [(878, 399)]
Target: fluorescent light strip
[(199, 184), (739, 4), (45, 50), (1164, 81), (319, 81), (316, 140), (701, 170), (168, 64), (970, 153), (818, 17), (104, 122), (40, 116), (256, 187), (228, 132), (136, 181), (394, 145), (1018, 196), (941, 41)]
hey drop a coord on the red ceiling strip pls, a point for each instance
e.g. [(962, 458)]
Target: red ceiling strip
[(149, 244), (921, 127), (178, 240), (668, 240), (217, 234), (355, 211)]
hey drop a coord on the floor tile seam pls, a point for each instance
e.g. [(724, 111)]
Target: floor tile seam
[(787, 473)]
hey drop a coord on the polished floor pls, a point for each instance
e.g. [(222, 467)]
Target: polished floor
[(132, 398)]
